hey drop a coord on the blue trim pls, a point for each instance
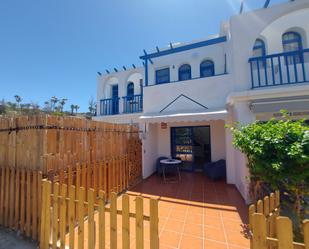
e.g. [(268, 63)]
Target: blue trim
[(182, 95), (183, 71), (195, 78), (146, 72), (266, 3), (162, 73), (185, 48), (207, 68)]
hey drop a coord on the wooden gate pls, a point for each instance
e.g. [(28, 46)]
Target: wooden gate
[(269, 230), (76, 218)]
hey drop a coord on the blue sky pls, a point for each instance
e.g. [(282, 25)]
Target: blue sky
[(54, 48)]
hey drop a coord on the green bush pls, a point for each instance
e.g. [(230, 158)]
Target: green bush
[(278, 154)]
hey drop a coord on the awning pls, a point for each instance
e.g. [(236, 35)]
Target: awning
[(297, 103), (184, 116)]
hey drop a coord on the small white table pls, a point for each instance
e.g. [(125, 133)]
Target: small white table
[(170, 162)]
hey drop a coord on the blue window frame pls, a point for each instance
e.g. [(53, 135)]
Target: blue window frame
[(259, 50), (163, 76), (207, 68), (184, 72), (292, 41), (115, 100), (130, 90)]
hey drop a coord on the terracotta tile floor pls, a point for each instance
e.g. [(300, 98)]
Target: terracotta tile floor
[(197, 212), (193, 214)]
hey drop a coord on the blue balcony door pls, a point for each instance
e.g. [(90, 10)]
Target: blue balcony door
[(115, 99), (192, 145)]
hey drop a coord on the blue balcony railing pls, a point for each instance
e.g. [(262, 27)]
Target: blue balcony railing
[(280, 69), (109, 106), (132, 104)]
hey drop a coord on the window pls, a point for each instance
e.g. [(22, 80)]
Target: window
[(259, 50), (184, 72), (130, 90), (162, 76), (291, 41), (207, 69)]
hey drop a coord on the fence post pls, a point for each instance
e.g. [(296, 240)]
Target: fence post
[(154, 222), (55, 229), (81, 211), (71, 215), (125, 222), (306, 233), (91, 230), (139, 210), (101, 220), (113, 221), (259, 231), (45, 215), (284, 233)]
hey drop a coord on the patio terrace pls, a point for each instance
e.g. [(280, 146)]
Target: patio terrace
[(197, 212)]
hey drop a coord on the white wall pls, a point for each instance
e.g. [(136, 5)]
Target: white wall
[(210, 92), (121, 78), (158, 142), (193, 57), (244, 30), (150, 152)]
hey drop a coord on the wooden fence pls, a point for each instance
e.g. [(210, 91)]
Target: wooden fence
[(35, 142), (20, 200), (64, 225), (270, 230)]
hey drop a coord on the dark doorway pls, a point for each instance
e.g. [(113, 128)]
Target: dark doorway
[(192, 145)]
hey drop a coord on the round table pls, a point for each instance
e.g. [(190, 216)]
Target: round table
[(170, 162)]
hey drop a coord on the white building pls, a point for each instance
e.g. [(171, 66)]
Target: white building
[(184, 95)]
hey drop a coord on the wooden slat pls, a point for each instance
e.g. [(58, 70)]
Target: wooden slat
[(259, 207), (139, 210), (43, 215), (306, 233), (125, 222), (284, 233), (154, 224), (101, 219), (34, 193), (28, 203), (259, 231), (113, 221), (63, 212), (81, 200), (22, 201), (71, 216), (91, 230), (55, 224), (2, 170), (7, 191), (17, 200), (12, 198), (39, 199)]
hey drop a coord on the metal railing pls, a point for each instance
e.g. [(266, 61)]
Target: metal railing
[(109, 106), (132, 104), (280, 69)]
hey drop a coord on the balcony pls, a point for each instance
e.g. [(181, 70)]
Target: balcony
[(280, 69), (130, 104), (133, 104), (109, 106)]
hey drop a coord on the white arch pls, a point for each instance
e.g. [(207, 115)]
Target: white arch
[(108, 86), (136, 78)]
